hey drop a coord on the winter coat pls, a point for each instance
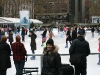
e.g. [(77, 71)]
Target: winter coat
[(80, 45), (33, 42), (68, 36), (44, 33), (4, 56), (99, 47), (10, 37), (74, 35), (51, 62), (23, 31), (0, 36), (92, 30)]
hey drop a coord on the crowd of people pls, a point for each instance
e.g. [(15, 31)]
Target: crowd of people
[(51, 57)]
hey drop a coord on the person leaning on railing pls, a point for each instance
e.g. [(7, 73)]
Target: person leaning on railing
[(19, 53), (80, 46), (5, 53), (51, 59)]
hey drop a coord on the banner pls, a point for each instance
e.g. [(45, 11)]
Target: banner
[(24, 18), (95, 19)]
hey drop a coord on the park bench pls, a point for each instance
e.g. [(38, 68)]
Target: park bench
[(29, 70)]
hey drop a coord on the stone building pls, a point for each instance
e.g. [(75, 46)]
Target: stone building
[(48, 11), (45, 10), (77, 10)]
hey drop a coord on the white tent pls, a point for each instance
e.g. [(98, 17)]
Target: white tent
[(17, 20), (35, 21)]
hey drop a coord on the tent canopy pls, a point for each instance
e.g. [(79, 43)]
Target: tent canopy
[(35, 21), (17, 20)]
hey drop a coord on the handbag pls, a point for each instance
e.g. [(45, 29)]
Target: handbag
[(67, 69), (76, 59)]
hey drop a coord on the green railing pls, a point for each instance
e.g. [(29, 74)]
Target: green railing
[(41, 57)]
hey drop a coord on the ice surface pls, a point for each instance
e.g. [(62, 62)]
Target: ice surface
[(92, 67)]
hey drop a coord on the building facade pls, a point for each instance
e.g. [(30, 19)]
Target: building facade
[(77, 10), (48, 11)]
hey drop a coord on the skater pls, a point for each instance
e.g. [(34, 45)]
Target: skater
[(68, 38), (92, 31), (33, 43), (73, 33), (10, 37), (19, 53), (5, 52), (44, 35), (99, 51), (23, 34), (51, 34)]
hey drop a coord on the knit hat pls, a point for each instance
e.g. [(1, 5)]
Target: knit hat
[(81, 32), (50, 41)]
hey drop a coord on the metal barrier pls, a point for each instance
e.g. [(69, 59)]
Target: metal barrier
[(41, 57)]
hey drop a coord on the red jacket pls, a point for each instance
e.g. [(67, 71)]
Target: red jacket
[(99, 47), (19, 51)]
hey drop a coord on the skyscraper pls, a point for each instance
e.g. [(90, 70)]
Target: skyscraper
[(77, 11)]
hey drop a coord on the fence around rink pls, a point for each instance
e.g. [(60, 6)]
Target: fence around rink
[(41, 57)]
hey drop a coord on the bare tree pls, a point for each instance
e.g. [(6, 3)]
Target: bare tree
[(95, 8)]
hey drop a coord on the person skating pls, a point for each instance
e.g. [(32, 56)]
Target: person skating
[(33, 43)]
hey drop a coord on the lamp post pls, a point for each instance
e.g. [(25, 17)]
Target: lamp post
[(68, 11)]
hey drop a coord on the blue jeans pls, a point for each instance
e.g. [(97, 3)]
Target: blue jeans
[(92, 34), (99, 33), (19, 65), (33, 53), (23, 37), (99, 58), (2, 72)]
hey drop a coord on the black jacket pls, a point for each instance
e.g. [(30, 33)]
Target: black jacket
[(68, 36), (33, 42), (23, 31), (51, 63), (80, 45), (44, 33), (10, 37), (74, 35), (92, 29), (4, 56)]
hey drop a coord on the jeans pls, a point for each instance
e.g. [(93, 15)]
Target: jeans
[(33, 53), (2, 72), (10, 43), (23, 37), (98, 32), (92, 34), (19, 65), (99, 58)]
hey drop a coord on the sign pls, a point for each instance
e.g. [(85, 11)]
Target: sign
[(24, 18), (96, 19)]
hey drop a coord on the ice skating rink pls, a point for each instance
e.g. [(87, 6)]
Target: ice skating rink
[(92, 60)]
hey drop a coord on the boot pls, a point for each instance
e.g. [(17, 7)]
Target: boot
[(66, 46), (98, 63), (33, 58), (41, 45)]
